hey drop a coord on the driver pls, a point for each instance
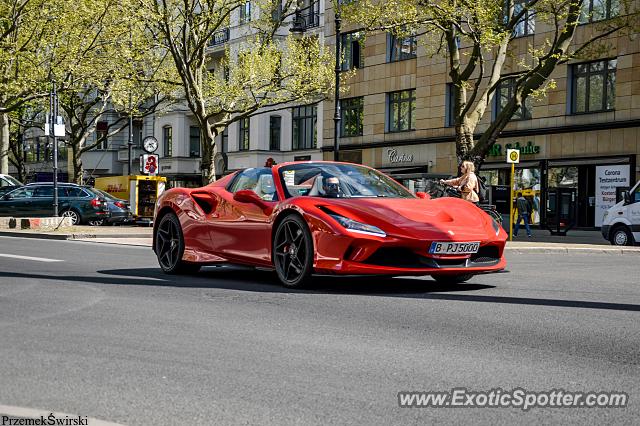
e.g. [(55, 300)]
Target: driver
[(331, 187)]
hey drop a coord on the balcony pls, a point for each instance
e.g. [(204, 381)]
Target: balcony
[(219, 38), (309, 17)]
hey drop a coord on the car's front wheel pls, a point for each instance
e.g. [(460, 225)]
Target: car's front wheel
[(170, 247), (452, 279), (293, 251), (621, 236)]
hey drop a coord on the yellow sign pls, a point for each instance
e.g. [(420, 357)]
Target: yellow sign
[(513, 156)]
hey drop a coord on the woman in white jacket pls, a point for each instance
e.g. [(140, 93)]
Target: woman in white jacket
[(467, 184)]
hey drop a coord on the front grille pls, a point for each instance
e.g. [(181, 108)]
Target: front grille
[(399, 257)]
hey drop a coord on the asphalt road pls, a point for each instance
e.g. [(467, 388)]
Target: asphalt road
[(102, 333)]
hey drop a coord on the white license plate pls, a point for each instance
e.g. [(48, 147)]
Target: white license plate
[(454, 248)]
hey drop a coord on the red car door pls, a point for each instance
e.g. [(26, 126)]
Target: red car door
[(240, 229)]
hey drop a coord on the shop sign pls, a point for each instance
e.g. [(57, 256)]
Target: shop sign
[(528, 149), (608, 178), (396, 157)]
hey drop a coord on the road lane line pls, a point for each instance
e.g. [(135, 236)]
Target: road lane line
[(35, 259)]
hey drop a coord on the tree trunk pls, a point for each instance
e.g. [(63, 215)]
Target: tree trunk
[(77, 164), (4, 143), (208, 164)]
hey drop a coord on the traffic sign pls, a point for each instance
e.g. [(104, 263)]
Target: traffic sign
[(513, 156)]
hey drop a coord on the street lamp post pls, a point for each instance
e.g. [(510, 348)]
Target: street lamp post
[(53, 108), (130, 142), (336, 115)]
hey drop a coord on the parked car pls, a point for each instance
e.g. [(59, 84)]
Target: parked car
[(118, 208), (621, 223), (8, 183), (79, 203)]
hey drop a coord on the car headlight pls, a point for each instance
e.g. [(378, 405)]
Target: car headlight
[(355, 226), (496, 226)]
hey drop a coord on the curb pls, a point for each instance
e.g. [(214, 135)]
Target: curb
[(68, 236), (571, 250)]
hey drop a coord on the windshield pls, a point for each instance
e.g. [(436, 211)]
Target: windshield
[(7, 180), (331, 180)]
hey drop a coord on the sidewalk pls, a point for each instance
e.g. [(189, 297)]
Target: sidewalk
[(84, 233), (572, 237)]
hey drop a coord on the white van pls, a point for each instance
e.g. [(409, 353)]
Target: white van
[(621, 223)]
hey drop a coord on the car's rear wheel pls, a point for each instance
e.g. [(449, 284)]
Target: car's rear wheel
[(74, 215), (452, 279), (170, 247), (293, 251), (621, 236)]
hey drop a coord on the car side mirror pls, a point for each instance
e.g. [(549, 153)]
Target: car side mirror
[(626, 197), (249, 196), (423, 195), (6, 197)]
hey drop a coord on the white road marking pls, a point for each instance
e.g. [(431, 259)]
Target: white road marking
[(36, 259)]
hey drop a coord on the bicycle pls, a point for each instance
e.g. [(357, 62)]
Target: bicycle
[(438, 190)]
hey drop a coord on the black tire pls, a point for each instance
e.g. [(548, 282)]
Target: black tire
[(76, 219), (621, 236), (169, 247), (292, 251), (452, 279)]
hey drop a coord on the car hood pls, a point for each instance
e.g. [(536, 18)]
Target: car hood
[(448, 218)]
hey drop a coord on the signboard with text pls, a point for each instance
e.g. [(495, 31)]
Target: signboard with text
[(608, 178)]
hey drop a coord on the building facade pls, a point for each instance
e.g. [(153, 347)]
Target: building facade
[(584, 135)]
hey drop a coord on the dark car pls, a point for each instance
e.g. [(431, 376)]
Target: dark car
[(36, 200), (8, 183), (119, 209)]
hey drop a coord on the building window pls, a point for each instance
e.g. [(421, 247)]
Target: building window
[(194, 141), (599, 10), (243, 142), (304, 127), (167, 141), (401, 110), (352, 50), (275, 126), (401, 48), (225, 140), (527, 24), (245, 13), (593, 86), (504, 93), (102, 128), (450, 102), (276, 10), (351, 116)]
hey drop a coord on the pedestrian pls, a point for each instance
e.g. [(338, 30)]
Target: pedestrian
[(467, 183), (524, 212)]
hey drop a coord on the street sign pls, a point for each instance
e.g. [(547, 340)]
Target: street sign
[(149, 164), (513, 156)]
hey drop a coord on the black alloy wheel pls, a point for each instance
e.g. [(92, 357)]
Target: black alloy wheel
[(170, 247), (293, 251)]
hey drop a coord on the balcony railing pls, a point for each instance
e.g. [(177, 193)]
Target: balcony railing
[(309, 16), (219, 37)]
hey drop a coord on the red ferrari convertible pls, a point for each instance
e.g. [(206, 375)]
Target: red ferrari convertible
[(324, 218)]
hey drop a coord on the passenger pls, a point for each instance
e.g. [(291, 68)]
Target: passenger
[(467, 183)]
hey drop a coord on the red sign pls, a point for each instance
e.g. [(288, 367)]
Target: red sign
[(149, 163)]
